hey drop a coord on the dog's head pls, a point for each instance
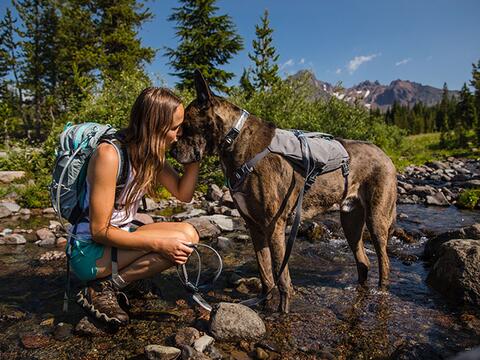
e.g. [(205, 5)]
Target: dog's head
[(207, 119)]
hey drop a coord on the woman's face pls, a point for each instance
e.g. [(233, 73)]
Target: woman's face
[(176, 129)]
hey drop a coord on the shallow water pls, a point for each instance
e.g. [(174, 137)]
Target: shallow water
[(330, 317)]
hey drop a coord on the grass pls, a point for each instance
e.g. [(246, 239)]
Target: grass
[(419, 149)]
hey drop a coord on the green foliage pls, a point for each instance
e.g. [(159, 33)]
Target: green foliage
[(35, 194), (264, 57), (111, 103), (466, 115), (291, 104), (206, 42), (120, 49), (475, 83), (469, 198)]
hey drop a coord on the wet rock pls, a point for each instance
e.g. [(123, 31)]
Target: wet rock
[(214, 353), (471, 184), (261, 354), (14, 239), (235, 322), (189, 214), (189, 353), (473, 354), (242, 238), (54, 225), (86, 328), (223, 243), (61, 242), (438, 199), (7, 177), (202, 343), (227, 200), (204, 227), (225, 223), (50, 211), (25, 212), (4, 211), (432, 246), (312, 231), (12, 206), (422, 190), (63, 331), (34, 341), (52, 255), (456, 273), (403, 235), (159, 352), (46, 237), (412, 350), (186, 336), (214, 193)]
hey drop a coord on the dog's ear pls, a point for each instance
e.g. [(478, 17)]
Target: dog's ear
[(204, 95)]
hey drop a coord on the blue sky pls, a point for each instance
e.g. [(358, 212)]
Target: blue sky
[(427, 41)]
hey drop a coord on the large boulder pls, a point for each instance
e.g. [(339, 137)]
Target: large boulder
[(235, 322), (456, 273), (432, 246)]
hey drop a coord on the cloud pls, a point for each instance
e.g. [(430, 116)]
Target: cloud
[(302, 61), (355, 63), (403, 62), (287, 63), (338, 71)]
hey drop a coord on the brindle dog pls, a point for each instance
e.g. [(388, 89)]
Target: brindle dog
[(271, 190)]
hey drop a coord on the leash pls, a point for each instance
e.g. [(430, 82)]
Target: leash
[(194, 288)]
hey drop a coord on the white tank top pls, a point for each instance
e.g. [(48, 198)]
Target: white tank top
[(119, 217)]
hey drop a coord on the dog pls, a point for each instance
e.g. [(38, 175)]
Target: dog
[(269, 193)]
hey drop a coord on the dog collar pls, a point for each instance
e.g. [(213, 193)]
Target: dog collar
[(233, 132)]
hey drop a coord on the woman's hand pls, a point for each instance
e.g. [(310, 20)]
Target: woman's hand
[(173, 249)]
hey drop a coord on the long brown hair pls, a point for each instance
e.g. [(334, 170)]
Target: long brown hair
[(145, 137)]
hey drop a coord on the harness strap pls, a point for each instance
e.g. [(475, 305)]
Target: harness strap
[(243, 171)]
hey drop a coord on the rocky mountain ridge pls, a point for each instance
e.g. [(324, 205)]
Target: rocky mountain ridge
[(374, 95)]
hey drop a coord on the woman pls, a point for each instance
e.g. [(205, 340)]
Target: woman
[(155, 123)]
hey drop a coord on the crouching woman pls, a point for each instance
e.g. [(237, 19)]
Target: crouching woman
[(155, 123)]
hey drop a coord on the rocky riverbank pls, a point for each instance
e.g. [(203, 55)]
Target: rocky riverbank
[(411, 321)]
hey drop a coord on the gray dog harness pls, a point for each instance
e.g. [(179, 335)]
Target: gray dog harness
[(311, 154)]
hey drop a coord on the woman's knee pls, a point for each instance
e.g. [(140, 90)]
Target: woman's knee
[(190, 232)]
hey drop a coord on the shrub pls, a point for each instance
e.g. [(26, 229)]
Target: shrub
[(469, 198)]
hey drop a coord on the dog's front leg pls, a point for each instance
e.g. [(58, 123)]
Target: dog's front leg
[(264, 261), (277, 249)]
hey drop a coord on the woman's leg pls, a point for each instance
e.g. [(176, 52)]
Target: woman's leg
[(134, 265), (99, 298)]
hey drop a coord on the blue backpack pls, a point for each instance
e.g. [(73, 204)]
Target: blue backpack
[(77, 144)]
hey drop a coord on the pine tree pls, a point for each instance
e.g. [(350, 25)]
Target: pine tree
[(245, 83), (206, 42), (466, 115), (10, 60), (121, 50), (265, 71), (442, 119), (475, 83), (39, 73)]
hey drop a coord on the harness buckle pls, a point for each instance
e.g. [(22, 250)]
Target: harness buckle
[(345, 168), (243, 171)]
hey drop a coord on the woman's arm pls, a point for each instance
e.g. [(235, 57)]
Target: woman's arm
[(180, 187), (102, 173)]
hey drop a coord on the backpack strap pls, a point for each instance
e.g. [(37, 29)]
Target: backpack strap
[(123, 166)]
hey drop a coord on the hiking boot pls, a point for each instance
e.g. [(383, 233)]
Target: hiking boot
[(142, 289), (99, 299)]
